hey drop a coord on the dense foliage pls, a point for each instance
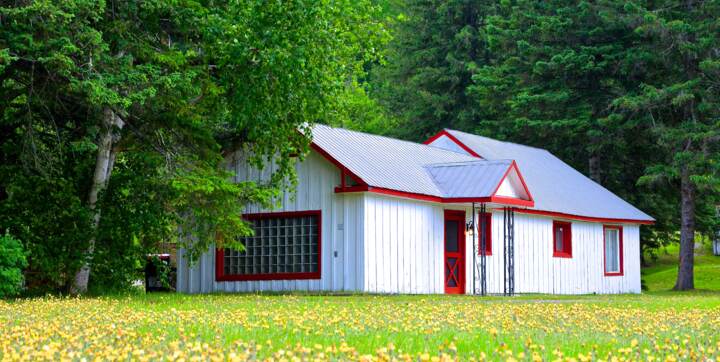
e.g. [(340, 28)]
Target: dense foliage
[(12, 262), (626, 92), (679, 100), (115, 114)]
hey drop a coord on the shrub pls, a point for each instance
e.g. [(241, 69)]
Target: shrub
[(12, 261)]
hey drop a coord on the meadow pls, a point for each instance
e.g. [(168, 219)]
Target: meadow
[(655, 326), (661, 274)]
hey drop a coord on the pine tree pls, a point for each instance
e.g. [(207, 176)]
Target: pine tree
[(680, 99), (430, 65)]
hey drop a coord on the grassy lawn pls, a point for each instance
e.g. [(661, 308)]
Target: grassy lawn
[(656, 325), (362, 327), (661, 275)]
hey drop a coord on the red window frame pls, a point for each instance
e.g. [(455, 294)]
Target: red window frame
[(566, 251), (488, 233), (620, 249), (220, 275)]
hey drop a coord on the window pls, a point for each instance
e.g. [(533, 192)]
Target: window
[(286, 245), (613, 250), (562, 239), (488, 233)]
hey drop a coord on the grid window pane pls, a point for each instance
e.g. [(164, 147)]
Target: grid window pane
[(280, 244)]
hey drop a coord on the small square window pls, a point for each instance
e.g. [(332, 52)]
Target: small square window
[(562, 239)]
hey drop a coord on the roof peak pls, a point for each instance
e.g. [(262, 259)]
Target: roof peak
[(469, 162), (451, 131), (384, 137)]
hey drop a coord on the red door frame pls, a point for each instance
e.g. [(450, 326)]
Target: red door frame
[(458, 270)]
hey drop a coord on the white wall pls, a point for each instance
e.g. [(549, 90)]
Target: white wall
[(403, 246), (342, 220), (387, 244), (537, 271)]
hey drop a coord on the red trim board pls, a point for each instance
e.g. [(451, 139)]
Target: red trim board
[(337, 163), (444, 200), (584, 218), (454, 139), (488, 233), (514, 165), (364, 187)]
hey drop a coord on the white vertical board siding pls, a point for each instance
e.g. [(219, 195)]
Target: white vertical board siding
[(537, 271), (342, 266), (403, 246), (383, 244)]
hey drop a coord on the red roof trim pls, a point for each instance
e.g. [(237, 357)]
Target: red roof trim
[(364, 187), (514, 165), (337, 163), (512, 201), (584, 218), (444, 200), (454, 139)]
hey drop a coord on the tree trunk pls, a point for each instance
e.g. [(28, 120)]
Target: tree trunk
[(594, 168), (104, 162), (686, 278)]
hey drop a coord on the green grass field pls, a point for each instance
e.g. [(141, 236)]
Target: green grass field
[(168, 326), (657, 325), (661, 274)]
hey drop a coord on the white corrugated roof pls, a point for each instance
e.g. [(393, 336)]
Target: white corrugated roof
[(477, 178), (410, 167), (447, 171), (554, 185)]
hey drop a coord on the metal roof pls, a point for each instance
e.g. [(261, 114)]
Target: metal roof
[(555, 185), (477, 178), (410, 167)]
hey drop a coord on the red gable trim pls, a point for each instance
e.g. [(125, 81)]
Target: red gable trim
[(431, 198), (364, 187), (522, 181), (584, 218), (454, 139), (337, 163)]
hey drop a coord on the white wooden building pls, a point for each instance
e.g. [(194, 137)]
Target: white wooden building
[(379, 215)]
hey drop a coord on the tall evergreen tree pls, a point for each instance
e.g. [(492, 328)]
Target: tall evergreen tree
[(680, 100), (557, 68), (430, 65)]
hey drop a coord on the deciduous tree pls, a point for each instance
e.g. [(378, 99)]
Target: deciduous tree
[(88, 85)]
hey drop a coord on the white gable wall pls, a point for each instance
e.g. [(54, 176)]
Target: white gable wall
[(512, 186)]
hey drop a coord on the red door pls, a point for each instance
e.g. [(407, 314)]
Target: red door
[(454, 258)]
